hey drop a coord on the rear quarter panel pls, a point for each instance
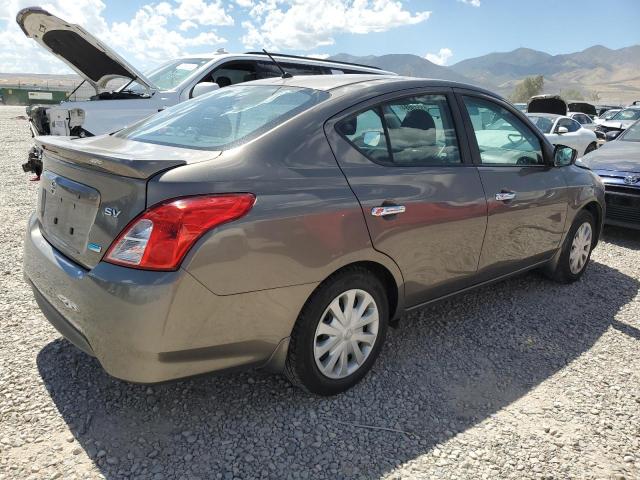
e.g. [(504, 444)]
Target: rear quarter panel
[(306, 222)]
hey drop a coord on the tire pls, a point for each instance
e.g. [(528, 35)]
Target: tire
[(591, 147), (567, 270), (308, 340)]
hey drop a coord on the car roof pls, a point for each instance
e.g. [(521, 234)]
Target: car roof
[(335, 82), (285, 59)]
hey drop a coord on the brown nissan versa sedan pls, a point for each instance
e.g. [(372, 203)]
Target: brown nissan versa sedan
[(284, 223)]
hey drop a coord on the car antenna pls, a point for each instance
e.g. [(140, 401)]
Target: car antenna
[(284, 74)]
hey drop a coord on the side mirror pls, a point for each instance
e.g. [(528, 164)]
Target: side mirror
[(564, 156), (612, 135), (371, 139), (204, 87), (562, 130)]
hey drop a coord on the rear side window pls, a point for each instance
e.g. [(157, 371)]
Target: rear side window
[(366, 133), (503, 139), (224, 118), (409, 132)]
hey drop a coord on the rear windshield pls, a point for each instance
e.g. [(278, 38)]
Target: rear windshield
[(225, 118)]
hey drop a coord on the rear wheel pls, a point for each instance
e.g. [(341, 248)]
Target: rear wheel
[(339, 333), (576, 250), (592, 146)]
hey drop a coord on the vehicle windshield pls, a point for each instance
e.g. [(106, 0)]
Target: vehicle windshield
[(170, 75), (544, 124), (224, 118), (609, 114), (627, 114), (631, 134)]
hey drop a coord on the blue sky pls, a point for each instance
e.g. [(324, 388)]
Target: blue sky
[(148, 32)]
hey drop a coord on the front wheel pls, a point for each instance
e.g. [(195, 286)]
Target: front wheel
[(339, 333), (576, 251)]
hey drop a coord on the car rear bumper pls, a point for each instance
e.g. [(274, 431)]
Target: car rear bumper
[(155, 326)]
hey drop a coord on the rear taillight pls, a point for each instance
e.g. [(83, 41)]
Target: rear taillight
[(160, 237)]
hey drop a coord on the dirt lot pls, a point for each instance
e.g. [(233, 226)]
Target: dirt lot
[(524, 379)]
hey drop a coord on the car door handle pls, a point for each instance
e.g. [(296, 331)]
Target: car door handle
[(505, 196), (387, 210)]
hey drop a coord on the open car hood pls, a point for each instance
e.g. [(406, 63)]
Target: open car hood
[(547, 104), (583, 107), (76, 47)]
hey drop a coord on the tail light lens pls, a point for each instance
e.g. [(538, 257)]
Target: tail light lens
[(160, 237)]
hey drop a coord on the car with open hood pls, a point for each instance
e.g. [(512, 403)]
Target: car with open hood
[(618, 165), (285, 223), (139, 95), (619, 122)]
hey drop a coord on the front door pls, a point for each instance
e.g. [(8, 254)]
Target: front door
[(420, 193), (526, 196)]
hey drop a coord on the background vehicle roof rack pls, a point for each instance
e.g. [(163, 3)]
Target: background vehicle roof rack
[(300, 57)]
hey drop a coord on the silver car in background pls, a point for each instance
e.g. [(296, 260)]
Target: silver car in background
[(285, 223)]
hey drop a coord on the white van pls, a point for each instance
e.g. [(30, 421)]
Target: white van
[(142, 95)]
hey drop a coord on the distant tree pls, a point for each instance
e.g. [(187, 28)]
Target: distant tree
[(527, 88), (572, 94), (594, 96)]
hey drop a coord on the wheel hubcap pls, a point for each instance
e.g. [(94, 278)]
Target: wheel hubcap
[(580, 248), (346, 334)]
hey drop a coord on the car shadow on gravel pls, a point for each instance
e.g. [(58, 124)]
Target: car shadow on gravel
[(622, 237), (445, 369)]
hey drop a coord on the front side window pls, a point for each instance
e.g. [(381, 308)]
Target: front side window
[(502, 138), (410, 132), (224, 118), (232, 73), (569, 124), (421, 131)]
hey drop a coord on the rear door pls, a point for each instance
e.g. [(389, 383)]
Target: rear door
[(420, 193), (526, 197)]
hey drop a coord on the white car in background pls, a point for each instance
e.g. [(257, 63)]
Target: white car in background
[(562, 130), (139, 95), (608, 115)]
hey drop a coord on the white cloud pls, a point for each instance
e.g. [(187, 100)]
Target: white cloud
[(202, 13), (144, 41), (441, 57), (147, 37), (308, 24), (245, 3), (187, 24), (475, 3)]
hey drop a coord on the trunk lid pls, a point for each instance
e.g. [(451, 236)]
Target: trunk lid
[(92, 188), (76, 47)]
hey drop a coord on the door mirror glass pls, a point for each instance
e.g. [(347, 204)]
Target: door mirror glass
[(204, 87), (371, 139), (564, 156), (562, 130)]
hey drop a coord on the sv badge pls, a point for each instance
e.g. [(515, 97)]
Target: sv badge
[(112, 212)]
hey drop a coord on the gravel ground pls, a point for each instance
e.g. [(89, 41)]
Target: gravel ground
[(524, 379)]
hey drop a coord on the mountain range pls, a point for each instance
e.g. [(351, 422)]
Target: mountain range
[(613, 74)]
